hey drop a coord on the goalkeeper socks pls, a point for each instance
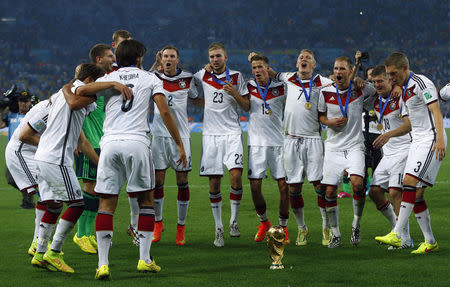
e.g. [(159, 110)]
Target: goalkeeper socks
[(158, 202), (235, 203), (91, 202), (346, 184), (216, 206), (81, 229), (182, 202), (423, 218), (104, 228)]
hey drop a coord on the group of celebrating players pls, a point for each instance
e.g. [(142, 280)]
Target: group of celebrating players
[(107, 107)]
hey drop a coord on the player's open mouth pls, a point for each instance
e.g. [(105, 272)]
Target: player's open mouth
[(168, 65), (338, 78), (303, 65)]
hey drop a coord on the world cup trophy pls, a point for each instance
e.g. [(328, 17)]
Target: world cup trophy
[(275, 243)]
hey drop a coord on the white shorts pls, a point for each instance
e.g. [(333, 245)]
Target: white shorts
[(389, 172), (57, 183), (125, 160), (259, 157), (165, 153), (422, 163), (220, 151), (303, 156), (22, 168), (336, 162)]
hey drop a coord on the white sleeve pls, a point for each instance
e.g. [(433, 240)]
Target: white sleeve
[(193, 89), (242, 87), (158, 87), (38, 122), (321, 105), (429, 94)]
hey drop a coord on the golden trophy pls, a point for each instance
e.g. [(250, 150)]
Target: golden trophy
[(275, 243)]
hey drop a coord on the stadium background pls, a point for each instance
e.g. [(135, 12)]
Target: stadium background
[(42, 41)]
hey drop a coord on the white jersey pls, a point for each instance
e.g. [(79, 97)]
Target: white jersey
[(134, 123), (36, 118), (178, 88), (391, 121), (60, 139), (220, 113), (350, 136), (298, 121), (264, 129), (420, 93), (445, 92)]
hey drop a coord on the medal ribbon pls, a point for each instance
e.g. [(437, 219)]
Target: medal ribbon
[(307, 97), (264, 95), (404, 90), (347, 100), (220, 81), (383, 107)]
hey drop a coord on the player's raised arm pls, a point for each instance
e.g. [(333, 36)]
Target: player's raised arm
[(242, 100), (439, 146), (170, 123)]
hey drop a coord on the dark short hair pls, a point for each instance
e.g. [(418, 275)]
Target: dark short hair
[(89, 70), (259, 57), (171, 47), (379, 70), (397, 59), (345, 59), (122, 34), (98, 51), (128, 52)]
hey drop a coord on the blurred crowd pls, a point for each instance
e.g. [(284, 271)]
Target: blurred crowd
[(42, 41)]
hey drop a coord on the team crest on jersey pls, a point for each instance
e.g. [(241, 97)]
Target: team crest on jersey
[(182, 84), (275, 92), (353, 95), (231, 81), (392, 106)]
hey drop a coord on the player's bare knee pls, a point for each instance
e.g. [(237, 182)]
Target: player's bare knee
[(108, 203)]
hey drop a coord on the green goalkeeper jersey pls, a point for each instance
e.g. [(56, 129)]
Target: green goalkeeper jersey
[(93, 124)]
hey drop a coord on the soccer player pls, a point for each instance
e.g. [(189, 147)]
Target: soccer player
[(388, 175), (224, 89), (54, 157), (265, 141), (19, 157), (179, 86), (102, 56), (118, 37), (420, 103), (126, 154), (344, 147), (303, 146)]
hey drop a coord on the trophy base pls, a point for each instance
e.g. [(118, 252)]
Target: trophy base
[(276, 266)]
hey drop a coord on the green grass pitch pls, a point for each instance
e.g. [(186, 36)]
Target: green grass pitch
[(242, 262)]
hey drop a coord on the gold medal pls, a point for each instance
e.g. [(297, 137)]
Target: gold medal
[(400, 116), (307, 105), (379, 127), (270, 112)]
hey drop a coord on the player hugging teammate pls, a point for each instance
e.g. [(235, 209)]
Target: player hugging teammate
[(286, 112)]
